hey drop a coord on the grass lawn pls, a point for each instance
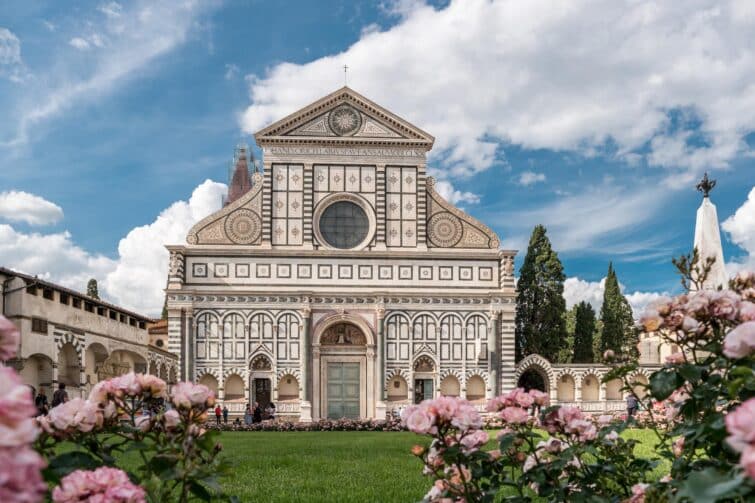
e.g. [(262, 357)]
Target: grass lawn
[(337, 466)]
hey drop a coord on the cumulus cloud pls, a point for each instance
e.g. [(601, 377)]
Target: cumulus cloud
[(577, 290), (19, 206), (453, 196), (585, 75), (133, 37), (136, 278), (139, 277), (528, 178), (741, 229), (51, 256)]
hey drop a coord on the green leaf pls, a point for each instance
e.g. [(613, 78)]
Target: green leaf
[(708, 486), (690, 372), (200, 491), (663, 383), (63, 464)]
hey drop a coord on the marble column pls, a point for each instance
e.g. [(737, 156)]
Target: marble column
[(380, 405), (494, 353), (305, 414)]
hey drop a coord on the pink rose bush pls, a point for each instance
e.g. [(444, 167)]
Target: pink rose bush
[(700, 405), (20, 465), (103, 485)]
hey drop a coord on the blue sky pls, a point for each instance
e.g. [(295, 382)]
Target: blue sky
[(593, 118)]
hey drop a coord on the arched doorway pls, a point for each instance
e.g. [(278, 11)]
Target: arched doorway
[(344, 368), (94, 356), (261, 379), (37, 372), (68, 365), (532, 379)]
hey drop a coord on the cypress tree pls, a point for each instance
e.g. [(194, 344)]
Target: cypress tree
[(92, 290), (618, 332), (584, 328), (541, 308)]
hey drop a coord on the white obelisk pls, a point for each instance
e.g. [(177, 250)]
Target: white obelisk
[(708, 237)]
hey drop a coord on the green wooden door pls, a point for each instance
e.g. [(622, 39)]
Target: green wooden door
[(343, 390)]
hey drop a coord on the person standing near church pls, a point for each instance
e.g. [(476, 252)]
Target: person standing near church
[(248, 415), (631, 405), (41, 402), (218, 413), (60, 395), (257, 417), (225, 414)]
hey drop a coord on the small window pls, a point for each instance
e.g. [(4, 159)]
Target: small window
[(113, 315), (123, 318), (77, 303), (48, 294), (101, 311), (132, 322), (31, 289), (89, 307), (142, 325), (159, 343), (39, 325), (64, 298)]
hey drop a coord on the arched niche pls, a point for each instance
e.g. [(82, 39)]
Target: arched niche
[(288, 388), (475, 388), (210, 381), (566, 388), (590, 388), (450, 386), (398, 389), (233, 387)]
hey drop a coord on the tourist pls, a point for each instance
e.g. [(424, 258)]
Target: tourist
[(257, 415), (218, 413), (225, 414), (270, 411), (248, 415), (237, 422), (60, 395), (41, 402), (631, 405)]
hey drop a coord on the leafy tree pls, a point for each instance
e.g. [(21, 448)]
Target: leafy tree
[(92, 290), (540, 325), (618, 334), (584, 330)]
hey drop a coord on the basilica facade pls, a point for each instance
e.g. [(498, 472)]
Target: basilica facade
[(338, 282)]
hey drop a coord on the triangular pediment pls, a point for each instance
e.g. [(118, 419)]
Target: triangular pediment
[(347, 117)]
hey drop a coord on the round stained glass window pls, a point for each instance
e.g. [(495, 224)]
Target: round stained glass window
[(344, 225)]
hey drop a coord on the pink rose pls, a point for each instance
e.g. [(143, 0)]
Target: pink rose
[(651, 320), (638, 493), (419, 420), (102, 391), (740, 341), (740, 423), (9, 339), (20, 475), (153, 385), (515, 415), (609, 355), (143, 423), (605, 419), (127, 384), (698, 303), (677, 447), (16, 402), (746, 311), (540, 397), (466, 417), (675, 358), (18, 434), (747, 460), (187, 395), (445, 407), (725, 304), (474, 440), (105, 485), (172, 419)]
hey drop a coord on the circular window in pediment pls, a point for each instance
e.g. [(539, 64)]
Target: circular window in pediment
[(345, 120), (344, 225), (344, 221)]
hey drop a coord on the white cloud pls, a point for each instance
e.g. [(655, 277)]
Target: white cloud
[(79, 43), (18, 206), (548, 76), (51, 256), (11, 63), (577, 290), (133, 39), (135, 279), (231, 71), (741, 229), (453, 196), (528, 178), (141, 272), (111, 9)]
